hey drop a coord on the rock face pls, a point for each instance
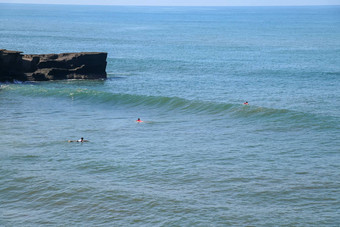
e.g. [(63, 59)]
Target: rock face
[(41, 67)]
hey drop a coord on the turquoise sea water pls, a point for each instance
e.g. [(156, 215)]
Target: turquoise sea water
[(201, 158)]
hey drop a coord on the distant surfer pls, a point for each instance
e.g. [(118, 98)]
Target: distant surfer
[(139, 120), (81, 140), (246, 103)]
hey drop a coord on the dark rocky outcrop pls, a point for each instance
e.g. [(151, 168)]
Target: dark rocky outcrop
[(41, 67)]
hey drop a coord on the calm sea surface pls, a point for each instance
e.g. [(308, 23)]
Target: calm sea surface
[(201, 157)]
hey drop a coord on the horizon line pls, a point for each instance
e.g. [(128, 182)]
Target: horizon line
[(75, 4)]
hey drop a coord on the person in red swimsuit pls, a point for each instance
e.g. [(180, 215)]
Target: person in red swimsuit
[(139, 120)]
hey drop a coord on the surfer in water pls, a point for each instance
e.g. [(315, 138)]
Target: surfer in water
[(81, 140), (139, 120)]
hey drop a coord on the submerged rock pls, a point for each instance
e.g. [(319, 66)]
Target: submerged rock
[(41, 67)]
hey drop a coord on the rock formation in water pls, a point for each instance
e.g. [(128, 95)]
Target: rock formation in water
[(41, 67)]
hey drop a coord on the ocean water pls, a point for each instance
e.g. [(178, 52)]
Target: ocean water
[(201, 157)]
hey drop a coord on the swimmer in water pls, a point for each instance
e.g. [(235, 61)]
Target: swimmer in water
[(139, 120), (246, 103), (81, 140)]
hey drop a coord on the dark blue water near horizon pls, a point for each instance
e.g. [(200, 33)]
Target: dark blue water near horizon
[(201, 157)]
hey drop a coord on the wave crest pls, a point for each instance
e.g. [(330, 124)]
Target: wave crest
[(174, 104)]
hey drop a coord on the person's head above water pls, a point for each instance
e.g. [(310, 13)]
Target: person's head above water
[(80, 140)]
